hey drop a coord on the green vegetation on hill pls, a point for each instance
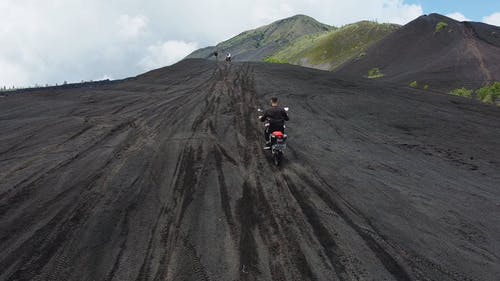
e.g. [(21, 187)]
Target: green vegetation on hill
[(486, 94), (375, 73), (286, 29), (274, 60), (462, 92), (440, 26), (415, 84), (328, 50), (490, 93), (258, 44)]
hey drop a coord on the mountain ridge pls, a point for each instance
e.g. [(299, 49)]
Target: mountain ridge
[(330, 49), (452, 55), (259, 43), (437, 51)]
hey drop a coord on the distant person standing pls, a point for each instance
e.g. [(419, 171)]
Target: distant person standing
[(228, 57), (216, 54)]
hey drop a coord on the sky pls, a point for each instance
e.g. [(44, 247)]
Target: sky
[(52, 41)]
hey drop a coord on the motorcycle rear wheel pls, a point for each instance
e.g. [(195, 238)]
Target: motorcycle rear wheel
[(277, 158)]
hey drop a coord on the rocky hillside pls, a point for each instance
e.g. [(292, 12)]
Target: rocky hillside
[(330, 49), (436, 51), (260, 43)]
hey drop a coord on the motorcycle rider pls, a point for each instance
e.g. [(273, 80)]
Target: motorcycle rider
[(228, 57), (276, 115)]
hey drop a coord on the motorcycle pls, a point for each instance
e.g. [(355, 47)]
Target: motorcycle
[(278, 142)]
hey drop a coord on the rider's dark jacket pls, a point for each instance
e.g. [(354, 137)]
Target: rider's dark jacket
[(276, 116)]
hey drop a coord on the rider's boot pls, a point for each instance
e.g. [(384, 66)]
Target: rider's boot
[(268, 145)]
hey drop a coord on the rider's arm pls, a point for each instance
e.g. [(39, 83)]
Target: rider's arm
[(285, 115), (264, 116)]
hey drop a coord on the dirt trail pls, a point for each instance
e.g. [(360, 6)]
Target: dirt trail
[(162, 177), (471, 42)]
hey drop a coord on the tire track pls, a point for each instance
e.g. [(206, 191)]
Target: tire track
[(25, 187), (176, 186), (387, 260), (257, 209)]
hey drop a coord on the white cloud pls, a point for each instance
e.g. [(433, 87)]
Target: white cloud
[(12, 74), (458, 16), (131, 27), (493, 19), (52, 41), (166, 53)]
